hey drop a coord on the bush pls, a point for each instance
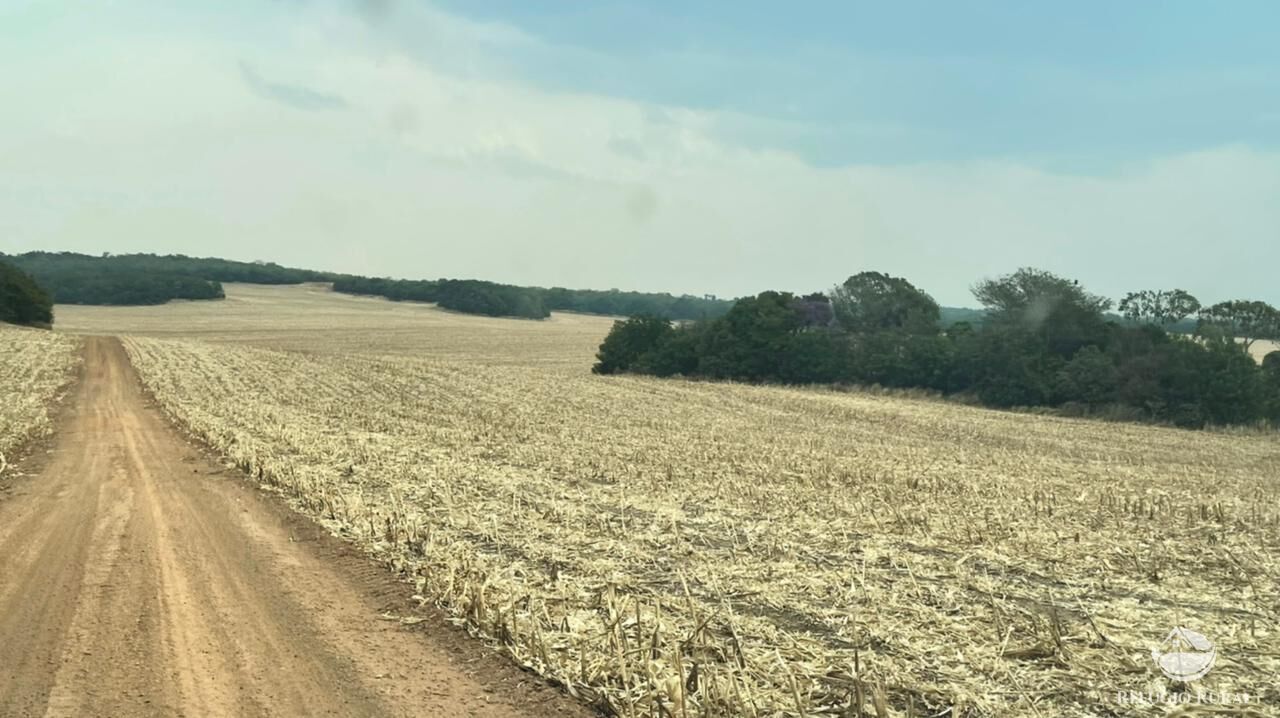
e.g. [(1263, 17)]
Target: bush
[(22, 301), (752, 341), (1012, 368), (1233, 387), (1271, 379), (675, 353), (630, 343), (1090, 377), (1191, 384), (901, 359)]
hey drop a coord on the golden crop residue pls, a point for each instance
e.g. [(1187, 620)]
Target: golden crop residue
[(35, 366), (1262, 348)]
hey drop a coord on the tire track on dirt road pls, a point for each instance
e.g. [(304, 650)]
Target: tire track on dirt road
[(136, 579)]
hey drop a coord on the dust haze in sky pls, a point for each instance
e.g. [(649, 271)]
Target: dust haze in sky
[(410, 140)]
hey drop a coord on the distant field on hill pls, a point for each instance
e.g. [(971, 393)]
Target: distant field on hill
[(313, 319), (1262, 348)]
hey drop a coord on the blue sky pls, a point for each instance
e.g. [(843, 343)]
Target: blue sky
[(696, 146), (1083, 85)]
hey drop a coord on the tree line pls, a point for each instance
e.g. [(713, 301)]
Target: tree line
[(460, 295), (128, 279), (140, 279), (136, 265), (1043, 341), (494, 299)]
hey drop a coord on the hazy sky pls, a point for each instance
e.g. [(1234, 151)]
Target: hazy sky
[(724, 147)]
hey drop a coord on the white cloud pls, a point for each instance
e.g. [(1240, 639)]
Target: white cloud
[(431, 173), (297, 96)]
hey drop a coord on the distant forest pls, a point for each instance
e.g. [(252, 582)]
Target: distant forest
[(22, 301), (133, 279), (1043, 341), (492, 299), (136, 279)]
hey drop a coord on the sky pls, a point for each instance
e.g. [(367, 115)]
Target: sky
[(700, 147)]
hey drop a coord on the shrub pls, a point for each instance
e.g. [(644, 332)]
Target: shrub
[(22, 301), (628, 344), (1090, 377)]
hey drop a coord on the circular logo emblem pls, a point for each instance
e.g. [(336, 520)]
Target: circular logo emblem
[(1185, 655)]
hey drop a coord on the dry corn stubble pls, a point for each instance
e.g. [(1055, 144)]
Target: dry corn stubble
[(35, 367), (680, 548)]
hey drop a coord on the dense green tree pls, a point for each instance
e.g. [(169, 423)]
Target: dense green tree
[(1058, 310), (1029, 296), (901, 359), (815, 310), (1218, 383), (1241, 319), (750, 341), (675, 353), (22, 301), (1012, 367), (1271, 379), (1136, 351), (1271, 364), (1090, 377), (1159, 307), (874, 302), (630, 342), (1178, 380)]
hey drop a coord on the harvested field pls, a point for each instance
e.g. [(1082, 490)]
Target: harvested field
[(35, 366), (1262, 348), (311, 319), (710, 549)]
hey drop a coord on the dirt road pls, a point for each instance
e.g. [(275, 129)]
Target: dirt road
[(139, 578)]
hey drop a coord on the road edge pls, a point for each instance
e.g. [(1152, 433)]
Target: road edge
[(30, 455)]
